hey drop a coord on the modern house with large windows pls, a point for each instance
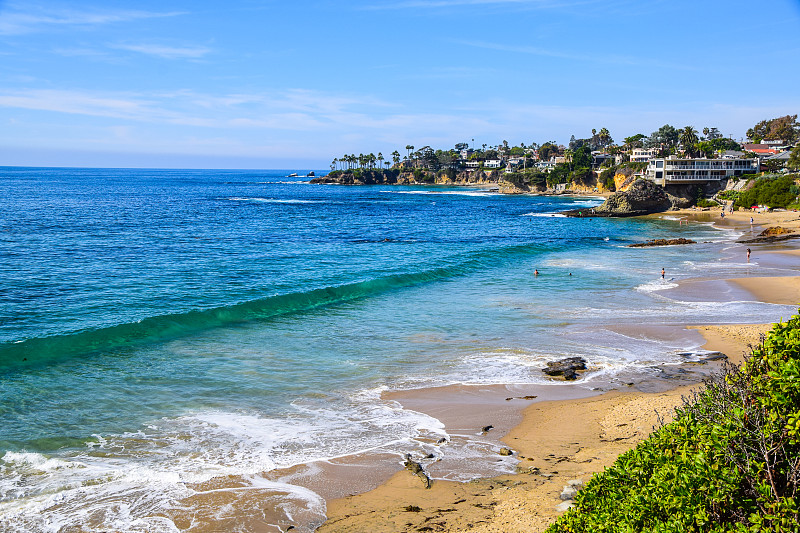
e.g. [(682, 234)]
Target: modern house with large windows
[(674, 170)]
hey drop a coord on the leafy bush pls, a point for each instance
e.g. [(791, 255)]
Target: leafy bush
[(730, 461), (704, 202), (769, 191), (535, 178), (559, 174), (728, 195)]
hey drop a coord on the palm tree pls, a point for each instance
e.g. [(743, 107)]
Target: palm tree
[(688, 138), (604, 136), (409, 147), (396, 157), (380, 159)]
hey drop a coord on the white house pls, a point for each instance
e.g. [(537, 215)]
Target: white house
[(640, 155), (674, 170), (493, 163)]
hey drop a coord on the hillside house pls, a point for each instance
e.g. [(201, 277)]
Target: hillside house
[(665, 171)]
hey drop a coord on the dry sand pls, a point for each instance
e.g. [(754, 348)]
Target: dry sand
[(556, 441)]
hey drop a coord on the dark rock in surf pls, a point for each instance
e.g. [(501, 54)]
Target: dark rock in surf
[(567, 367), (416, 469), (661, 242)]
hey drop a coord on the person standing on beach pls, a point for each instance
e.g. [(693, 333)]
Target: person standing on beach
[(748, 255), (662, 272), (751, 221)]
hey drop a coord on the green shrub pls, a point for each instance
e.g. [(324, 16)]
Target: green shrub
[(728, 195), (771, 191), (704, 202), (730, 461)]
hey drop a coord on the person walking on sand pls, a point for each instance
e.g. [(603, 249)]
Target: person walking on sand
[(751, 221), (662, 272), (748, 255)]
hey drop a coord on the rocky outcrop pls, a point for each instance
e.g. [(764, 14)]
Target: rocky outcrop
[(567, 367), (416, 469), (623, 179), (661, 242), (641, 198), (772, 234)]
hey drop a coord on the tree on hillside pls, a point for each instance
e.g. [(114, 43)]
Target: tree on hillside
[(664, 138), (547, 150), (794, 158), (600, 139), (409, 147), (688, 138), (635, 141), (784, 128), (396, 157), (582, 158)]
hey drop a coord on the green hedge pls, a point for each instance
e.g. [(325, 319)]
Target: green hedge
[(730, 461), (770, 191)]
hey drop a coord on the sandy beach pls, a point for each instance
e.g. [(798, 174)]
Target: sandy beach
[(563, 441)]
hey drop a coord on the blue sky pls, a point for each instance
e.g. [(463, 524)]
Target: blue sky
[(280, 84)]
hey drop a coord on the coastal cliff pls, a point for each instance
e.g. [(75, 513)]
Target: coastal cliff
[(409, 177), (507, 183)]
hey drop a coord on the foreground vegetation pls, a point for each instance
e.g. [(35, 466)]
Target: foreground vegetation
[(730, 461)]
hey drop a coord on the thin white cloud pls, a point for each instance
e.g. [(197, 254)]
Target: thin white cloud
[(20, 19), (604, 58), (165, 52)]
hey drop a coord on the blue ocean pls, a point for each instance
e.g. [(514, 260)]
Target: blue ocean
[(162, 329)]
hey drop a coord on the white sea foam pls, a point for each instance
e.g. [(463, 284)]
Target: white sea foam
[(656, 285), (121, 481), (273, 200), (549, 215)]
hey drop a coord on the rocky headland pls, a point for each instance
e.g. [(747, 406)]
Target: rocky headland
[(641, 197), (634, 197), (409, 177)]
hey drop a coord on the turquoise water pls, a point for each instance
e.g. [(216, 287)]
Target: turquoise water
[(163, 327)]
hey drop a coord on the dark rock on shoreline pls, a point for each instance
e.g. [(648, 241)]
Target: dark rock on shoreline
[(416, 469), (661, 242), (566, 367), (772, 234)]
